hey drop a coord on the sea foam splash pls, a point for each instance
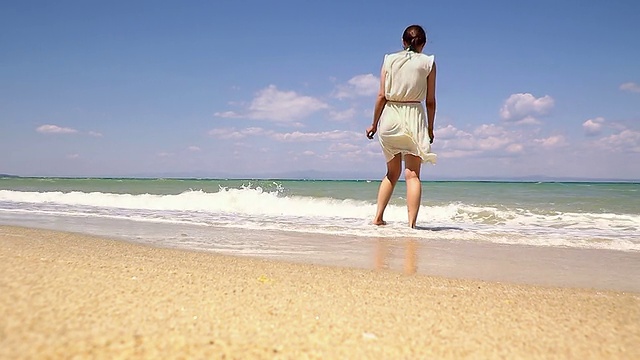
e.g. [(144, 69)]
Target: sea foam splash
[(254, 208)]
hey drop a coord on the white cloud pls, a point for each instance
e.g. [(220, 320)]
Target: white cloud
[(345, 147), (551, 141), (333, 135), (279, 106), (54, 129), (227, 114), (624, 141), (485, 130), (253, 131), (193, 148), (359, 85), (452, 154), (342, 115), (630, 86), (523, 108), (373, 145), (593, 127), (296, 136), (73, 156), (492, 143), (308, 153), (95, 134), (486, 138), (355, 152), (515, 148), (528, 120), (232, 133), (448, 132), (219, 132), (453, 138), (165, 154)]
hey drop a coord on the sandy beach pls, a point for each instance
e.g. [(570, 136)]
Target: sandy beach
[(66, 295)]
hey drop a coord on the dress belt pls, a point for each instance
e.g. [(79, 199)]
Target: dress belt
[(404, 102)]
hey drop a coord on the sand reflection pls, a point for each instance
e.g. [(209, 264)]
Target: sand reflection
[(387, 251)]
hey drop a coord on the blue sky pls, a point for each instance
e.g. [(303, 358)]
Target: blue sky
[(251, 88)]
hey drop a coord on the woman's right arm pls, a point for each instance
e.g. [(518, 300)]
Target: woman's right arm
[(381, 101), (431, 100)]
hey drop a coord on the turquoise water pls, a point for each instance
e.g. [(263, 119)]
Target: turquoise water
[(579, 214), (617, 198)]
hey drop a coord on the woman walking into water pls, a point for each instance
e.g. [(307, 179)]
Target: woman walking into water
[(406, 79)]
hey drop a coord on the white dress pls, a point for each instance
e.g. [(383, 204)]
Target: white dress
[(403, 126)]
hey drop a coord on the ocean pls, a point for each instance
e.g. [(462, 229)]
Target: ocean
[(584, 234), (579, 214)]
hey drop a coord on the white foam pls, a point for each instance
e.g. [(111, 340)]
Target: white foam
[(254, 208)]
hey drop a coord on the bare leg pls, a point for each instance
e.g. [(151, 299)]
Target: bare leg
[(414, 186), (386, 187)]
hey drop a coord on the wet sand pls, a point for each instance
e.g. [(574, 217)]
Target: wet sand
[(65, 295)]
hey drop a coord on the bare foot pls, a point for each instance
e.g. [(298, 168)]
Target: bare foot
[(379, 222)]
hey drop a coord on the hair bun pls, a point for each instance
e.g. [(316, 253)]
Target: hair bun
[(414, 36)]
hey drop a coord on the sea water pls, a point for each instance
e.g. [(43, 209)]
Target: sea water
[(279, 216)]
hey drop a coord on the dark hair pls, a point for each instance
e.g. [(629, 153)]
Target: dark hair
[(414, 36)]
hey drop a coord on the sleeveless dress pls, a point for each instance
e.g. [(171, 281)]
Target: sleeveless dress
[(403, 126)]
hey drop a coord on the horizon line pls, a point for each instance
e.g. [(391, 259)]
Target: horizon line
[(533, 178)]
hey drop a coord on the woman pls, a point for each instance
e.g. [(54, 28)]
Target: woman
[(406, 78)]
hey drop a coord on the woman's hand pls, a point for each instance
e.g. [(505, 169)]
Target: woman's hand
[(431, 136), (371, 130)]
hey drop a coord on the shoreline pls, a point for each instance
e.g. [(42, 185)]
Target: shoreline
[(600, 269), (68, 295)]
